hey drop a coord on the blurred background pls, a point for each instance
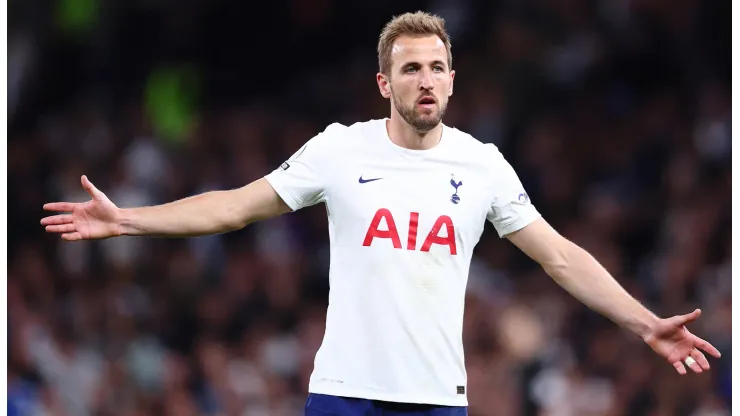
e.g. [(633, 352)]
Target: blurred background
[(615, 114)]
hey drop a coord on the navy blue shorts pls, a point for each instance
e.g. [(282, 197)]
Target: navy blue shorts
[(323, 405)]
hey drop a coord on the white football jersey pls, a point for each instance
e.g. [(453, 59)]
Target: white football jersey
[(402, 227)]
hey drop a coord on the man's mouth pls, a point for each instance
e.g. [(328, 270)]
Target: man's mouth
[(427, 102)]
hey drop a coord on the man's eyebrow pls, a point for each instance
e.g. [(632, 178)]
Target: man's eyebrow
[(414, 63)]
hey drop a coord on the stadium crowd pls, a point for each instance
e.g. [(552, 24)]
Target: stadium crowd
[(616, 116)]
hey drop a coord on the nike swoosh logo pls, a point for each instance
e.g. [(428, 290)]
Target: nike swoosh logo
[(369, 180)]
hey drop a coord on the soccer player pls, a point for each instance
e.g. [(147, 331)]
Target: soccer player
[(407, 199)]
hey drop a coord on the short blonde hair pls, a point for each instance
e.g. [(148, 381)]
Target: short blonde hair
[(412, 24)]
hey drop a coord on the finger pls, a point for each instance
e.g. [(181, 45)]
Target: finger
[(678, 365), (60, 206), (707, 347), (700, 359), (683, 320), (64, 228), (693, 365), (57, 219), (90, 188), (72, 236)]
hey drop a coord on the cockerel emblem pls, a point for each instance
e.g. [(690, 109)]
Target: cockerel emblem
[(455, 199)]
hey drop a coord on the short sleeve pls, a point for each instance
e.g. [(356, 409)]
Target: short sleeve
[(511, 209), (301, 181)]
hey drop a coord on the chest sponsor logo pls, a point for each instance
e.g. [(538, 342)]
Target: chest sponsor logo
[(391, 233)]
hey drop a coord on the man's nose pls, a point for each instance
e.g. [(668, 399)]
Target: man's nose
[(426, 81)]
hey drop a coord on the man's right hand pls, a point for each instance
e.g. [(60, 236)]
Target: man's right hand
[(97, 218)]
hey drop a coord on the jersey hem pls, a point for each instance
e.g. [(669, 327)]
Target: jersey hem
[(461, 401), (519, 223)]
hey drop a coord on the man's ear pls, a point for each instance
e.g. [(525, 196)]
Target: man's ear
[(452, 81), (384, 84)]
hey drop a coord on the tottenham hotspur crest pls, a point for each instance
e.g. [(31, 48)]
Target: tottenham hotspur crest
[(455, 199)]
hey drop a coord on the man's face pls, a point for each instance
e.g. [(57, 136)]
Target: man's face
[(420, 82)]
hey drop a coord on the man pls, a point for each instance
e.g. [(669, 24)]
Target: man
[(407, 199)]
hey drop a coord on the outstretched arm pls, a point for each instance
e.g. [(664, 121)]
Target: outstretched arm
[(583, 277), (209, 213)]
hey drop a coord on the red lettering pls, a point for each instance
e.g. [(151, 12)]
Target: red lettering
[(373, 231), (413, 223), (392, 232), (434, 238)]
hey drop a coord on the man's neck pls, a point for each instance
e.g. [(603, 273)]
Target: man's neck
[(402, 134)]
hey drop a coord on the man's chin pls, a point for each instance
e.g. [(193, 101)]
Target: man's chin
[(422, 121), (424, 124)]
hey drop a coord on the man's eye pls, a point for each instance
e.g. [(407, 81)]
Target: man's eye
[(411, 69)]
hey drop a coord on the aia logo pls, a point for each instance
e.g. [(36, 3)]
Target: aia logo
[(391, 233)]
